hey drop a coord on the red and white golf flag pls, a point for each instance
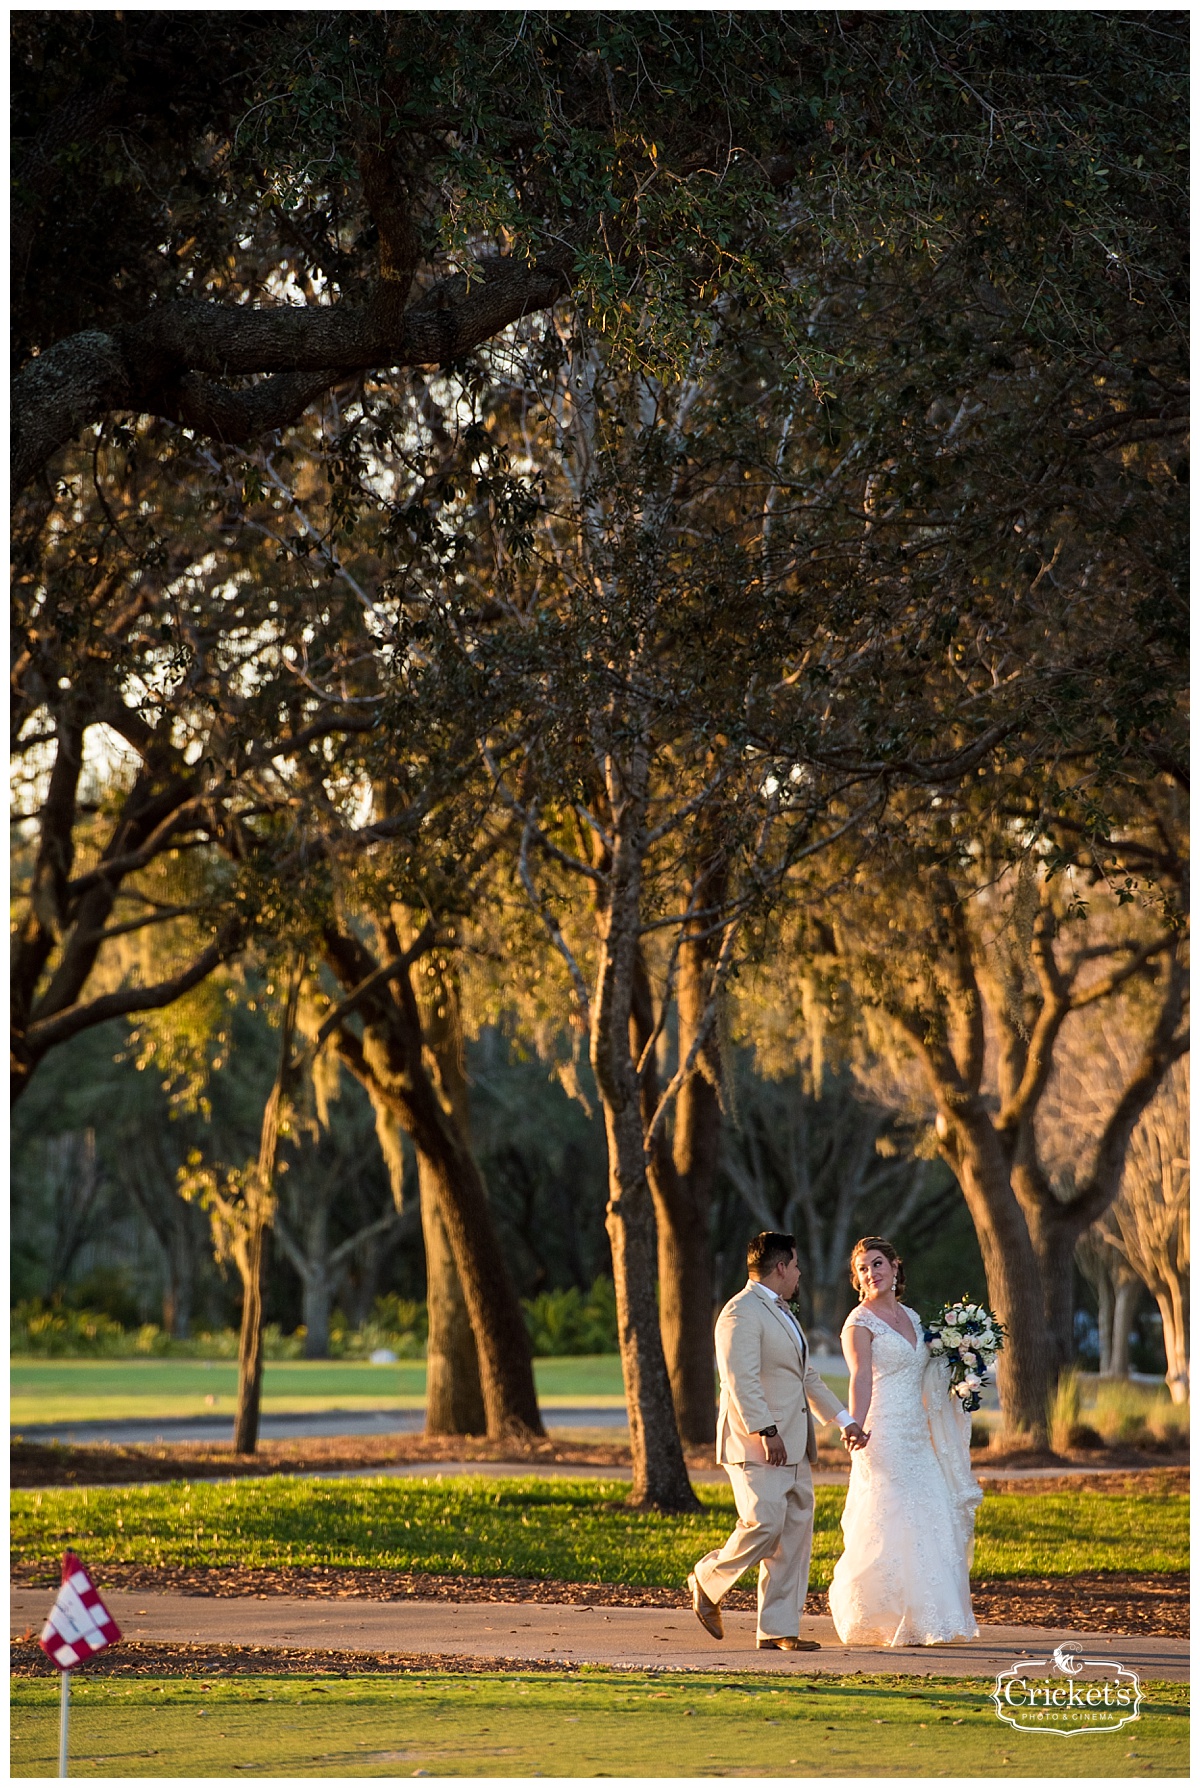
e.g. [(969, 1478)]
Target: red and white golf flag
[(79, 1623)]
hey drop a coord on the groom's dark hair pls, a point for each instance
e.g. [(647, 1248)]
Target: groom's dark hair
[(768, 1249)]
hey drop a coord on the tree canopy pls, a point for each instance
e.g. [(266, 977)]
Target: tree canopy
[(218, 217)]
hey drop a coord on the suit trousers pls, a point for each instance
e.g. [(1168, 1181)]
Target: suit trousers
[(774, 1531)]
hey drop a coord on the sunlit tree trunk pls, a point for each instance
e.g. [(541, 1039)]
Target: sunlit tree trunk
[(660, 1477), (1172, 1303), (682, 1177), (974, 1152), (1126, 1295), (260, 1211), (390, 1059), (453, 1393)]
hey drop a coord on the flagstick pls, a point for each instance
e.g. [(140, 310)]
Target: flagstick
[(64, 1722)]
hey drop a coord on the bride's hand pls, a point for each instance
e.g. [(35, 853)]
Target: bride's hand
[(854, 1437)]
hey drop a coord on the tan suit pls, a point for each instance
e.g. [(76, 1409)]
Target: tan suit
[(766, 1380)]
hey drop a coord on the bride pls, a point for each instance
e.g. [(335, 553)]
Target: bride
[(909, 1519)]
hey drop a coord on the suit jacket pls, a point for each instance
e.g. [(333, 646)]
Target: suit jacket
[(766, 1379)]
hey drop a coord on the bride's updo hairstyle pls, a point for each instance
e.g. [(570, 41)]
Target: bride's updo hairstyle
[(875, 1244)]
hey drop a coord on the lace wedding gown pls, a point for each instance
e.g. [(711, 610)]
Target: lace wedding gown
[(909, 1519)]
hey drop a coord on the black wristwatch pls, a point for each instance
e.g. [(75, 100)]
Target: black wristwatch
[(769, 1433)]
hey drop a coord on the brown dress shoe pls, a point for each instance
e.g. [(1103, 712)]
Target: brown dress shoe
[(789, 1645), (707, 1611)]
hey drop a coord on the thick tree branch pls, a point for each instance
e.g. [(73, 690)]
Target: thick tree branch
[(368, 985), (1056, 1004), (1165, 1045), (1110, 983), (48, 1032), (174, 361)]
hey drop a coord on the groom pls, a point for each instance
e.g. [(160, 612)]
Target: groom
[(766, 1441)]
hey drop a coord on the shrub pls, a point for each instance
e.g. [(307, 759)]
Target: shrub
[(568, 1322), (58, 1331), (399, 1324), (1120, 1413), (1062, 1413), (1169, 1424), (559, 1322), (1132, 1414), (64, 1333)]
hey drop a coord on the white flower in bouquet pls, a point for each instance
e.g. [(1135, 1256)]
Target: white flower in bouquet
[(969, 1337)]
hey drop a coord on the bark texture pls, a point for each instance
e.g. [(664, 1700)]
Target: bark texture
[(250, 1249), (453, 1392), (389, 1058), (682, 1176), (177, 360), (660, 1478)]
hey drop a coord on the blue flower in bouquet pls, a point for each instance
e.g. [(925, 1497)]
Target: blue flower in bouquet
[(968, 1337)]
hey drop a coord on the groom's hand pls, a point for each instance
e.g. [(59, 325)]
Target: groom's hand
[(776, 1451), (854, 1437)]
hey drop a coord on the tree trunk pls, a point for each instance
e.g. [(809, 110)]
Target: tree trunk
[(250, 1355), (389, 1059), (1125, 1303), (1104, 1320), (829, 1302), (260, 1211), (453, 1390), (973, 1150), (660, 1478), (147, 1172), (1054, 1240), (681, 1182), (182, 1273), (317, 1305), (453, 1394), (1172, 1304)]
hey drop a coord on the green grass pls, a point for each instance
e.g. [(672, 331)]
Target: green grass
[(596, 1723), (118, 1390), (564, 1529)]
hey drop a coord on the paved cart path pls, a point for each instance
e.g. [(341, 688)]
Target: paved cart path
[(635, 1638)]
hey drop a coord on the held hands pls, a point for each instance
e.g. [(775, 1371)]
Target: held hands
[(854, 1437)]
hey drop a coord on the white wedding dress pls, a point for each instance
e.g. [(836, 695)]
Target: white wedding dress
[(909, 1520)]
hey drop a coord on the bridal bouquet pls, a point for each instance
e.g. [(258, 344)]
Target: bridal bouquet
[(968, 1337)]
